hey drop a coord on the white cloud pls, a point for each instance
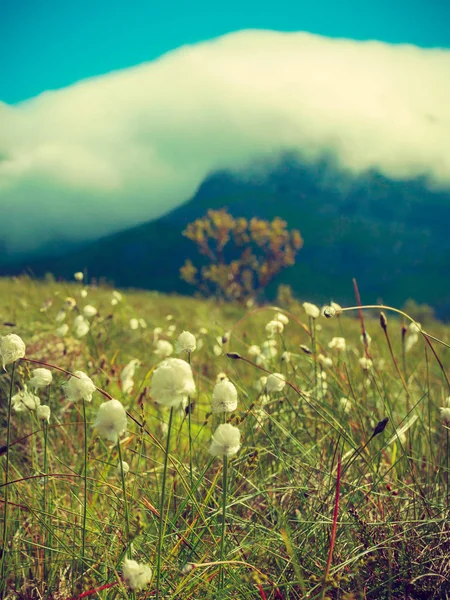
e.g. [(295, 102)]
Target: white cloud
[(112, 151)]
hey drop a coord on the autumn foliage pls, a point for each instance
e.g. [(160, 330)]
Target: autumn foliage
[(241, 256)]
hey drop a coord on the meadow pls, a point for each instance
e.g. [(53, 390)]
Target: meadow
[(308, 457)]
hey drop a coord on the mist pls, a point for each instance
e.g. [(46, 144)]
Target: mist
[(113, 151)]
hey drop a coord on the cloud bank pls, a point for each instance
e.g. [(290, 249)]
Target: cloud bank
[(116, 150)]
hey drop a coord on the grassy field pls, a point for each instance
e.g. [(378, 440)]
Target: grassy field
[(324, 499)]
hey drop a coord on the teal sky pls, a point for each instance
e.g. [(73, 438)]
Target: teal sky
[(53, 43)]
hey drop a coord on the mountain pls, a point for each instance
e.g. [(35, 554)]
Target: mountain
[(391, 235)]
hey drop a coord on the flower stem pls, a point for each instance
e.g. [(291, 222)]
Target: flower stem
[(161, 509), (83, 530), (44, 501), (224, 512), (5, 513), (125, 503)]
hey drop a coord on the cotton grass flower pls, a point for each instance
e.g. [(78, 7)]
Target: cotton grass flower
[(12, 347), (445, 414), (89, 311), (79, 387), (225, 441), (111, 421), (186, 342), (136, 575), (224, 398), (124, 467), (311, 310), (84, 293), (274, 327), (275, 383), (78, 276), (41, 378), (63, 330), (172, 382), (43, 413), (254, 350), (365, 363), (337, 343), (25, 400), (60, 316), (127, 374), (134, 324), (325, 361), (81, 326), (282, 318), (163, 348)]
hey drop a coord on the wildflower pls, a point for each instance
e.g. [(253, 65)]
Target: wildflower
[(60, 316), (156, 332), (43, 412), (411, 340), (41, 378), (78, 276), (338, 343), (124, 467), (366, 339), (89, 310), (269, 348), (134, 324), (415, 327), (111, 420), (217, 350), (337, 307), (445, 414), (203, 331), (305, 349), (12, 347), (163, 348), (225, 397), (365, 363), (117, 296), (274, 327), (221, 377), (143, 323), (254, 350), (127, 374), (169, 317), (172, 382), (136, 575), (79, 387), (260, 384), (225, 441), (70, 303), (81, 326), (62, 331), (345, 404), (24, 400), (325, 361), (282, 318), (286, 356), (84, 293), (275, 383), (185, 343), (311, 310)]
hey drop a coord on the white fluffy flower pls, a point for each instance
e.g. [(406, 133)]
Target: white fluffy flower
[(134, 324), (89, 310), (79, 387), (269, 348), (221, 376), (12, 347), (274, 327), (345, 404), (225, 397), (163, 348), (338, 343), (286, 356), (123, 466), (254, 350), (260, 384), (136, 575), (43, 412), (275, 383), (185, 343), (143, 323), (415, 327), (365, 363), (24, 400), (81, 326), (127, 374), (78, 276), (225, 441), (282, 318), (60, 316), (311, 310), (41, 378), (366, 339), (445, 414), (411, 340), (111, 420), (172, 382), (84, 293), (325, 361), (62, 331)]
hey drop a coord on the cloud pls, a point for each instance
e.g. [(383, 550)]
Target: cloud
[(113, 151)]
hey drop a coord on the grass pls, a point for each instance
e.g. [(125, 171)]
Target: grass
[(320, 502)]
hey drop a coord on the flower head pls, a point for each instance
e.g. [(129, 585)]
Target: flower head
[(225, 441), (79, 387), (78, 276), (134, 324), (225, 397), (24, 400), (274, 327), (445, 414), (282, 318), (111, 420), (62, 331), (311, 310), (275, 383), (89, 310), (123, 466), (185, 343), (41, 378), (338, 343), (127, 374), (12, 347), (163, 348), (81, 326), (365, 363), (172, 382), (136, 575), (43, 412)]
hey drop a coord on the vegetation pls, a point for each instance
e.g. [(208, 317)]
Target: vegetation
[(243, 255), (326, 498)]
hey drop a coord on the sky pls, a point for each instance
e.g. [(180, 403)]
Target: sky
[(109, 119)]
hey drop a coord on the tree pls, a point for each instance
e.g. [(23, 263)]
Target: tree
[(241, 256)]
